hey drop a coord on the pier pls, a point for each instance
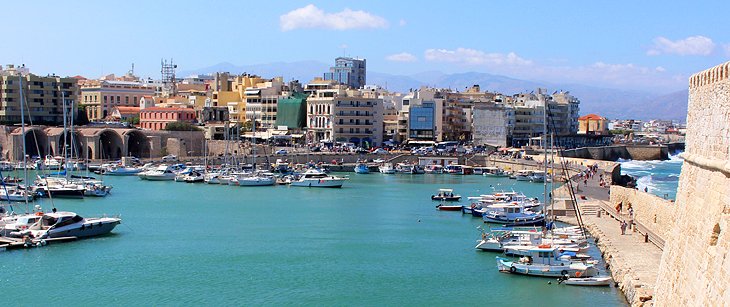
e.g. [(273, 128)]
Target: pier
[(634, 257)]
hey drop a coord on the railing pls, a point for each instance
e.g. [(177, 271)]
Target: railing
[(649, 236)]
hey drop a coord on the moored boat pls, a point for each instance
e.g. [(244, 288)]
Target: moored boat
[(446, 195), (315, 178)]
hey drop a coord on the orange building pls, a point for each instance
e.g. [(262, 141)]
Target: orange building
[(156, 118), (592, 124)]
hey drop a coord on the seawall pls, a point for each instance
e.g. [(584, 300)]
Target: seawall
[(626, 152)]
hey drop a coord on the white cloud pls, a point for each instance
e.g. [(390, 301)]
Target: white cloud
[(402, 22), (313, 17), (693, 45), (660, 69), (474, 57), (401, 57)]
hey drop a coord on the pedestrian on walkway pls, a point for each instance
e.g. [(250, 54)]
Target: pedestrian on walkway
[(619, 206), (631, 217), (623, 227)]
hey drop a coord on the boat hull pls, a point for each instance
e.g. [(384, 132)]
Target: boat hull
[(448, 208), (318, 183), (89, 229)]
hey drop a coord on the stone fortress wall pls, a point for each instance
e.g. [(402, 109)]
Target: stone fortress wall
[(695, 267)]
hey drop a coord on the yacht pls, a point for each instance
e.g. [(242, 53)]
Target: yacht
[(161, 173), (96, 190), (546, 260), (386, 168), (315, 178), (69, 224), (117, 170), (194, 177), (58, 187), (256, 179)]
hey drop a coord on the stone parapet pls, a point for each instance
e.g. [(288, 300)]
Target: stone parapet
[(653, 212)]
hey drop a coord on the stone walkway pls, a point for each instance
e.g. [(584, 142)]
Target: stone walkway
[(634, 264)]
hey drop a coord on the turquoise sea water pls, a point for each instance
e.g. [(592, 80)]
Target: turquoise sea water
[(660, 178), (377, 241)]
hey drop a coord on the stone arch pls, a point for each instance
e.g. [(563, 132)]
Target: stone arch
[(138, 145), (77, 144), (111, 145), (36, 142)]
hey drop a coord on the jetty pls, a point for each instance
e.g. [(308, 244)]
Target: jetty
[(634, 257)]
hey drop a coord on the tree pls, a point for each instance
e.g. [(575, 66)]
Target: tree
[(133, 120), (81, 118), (181, 126), (247, 126)]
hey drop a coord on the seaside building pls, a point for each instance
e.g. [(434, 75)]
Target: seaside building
[(492, 124), (261, 102), (348, 71), (423, 110), (99, 97), (592, 124), (157, 118), (43, 95), (337, 114)]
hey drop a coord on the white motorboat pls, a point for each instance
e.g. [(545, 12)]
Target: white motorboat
[(20, 222), (598, 281), (194, 177), (546, 261), (492, 171), (433, 169), (315, 178), (256, 179), (362, 168), (537, 176), (161, 173), (523, 175), (97, 190), (6, 166), (15, 194), (69, 224), (212, 178), (121, 170), (386, 168)]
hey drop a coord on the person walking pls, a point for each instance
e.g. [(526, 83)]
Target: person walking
[(631, 217), (623, 227)]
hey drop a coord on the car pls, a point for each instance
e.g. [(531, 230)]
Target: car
[(361, 150), (378, 160), (380, 151), (169, 158), (281, 152), (315, 149)]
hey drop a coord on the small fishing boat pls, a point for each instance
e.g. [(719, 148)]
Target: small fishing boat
[(444, 207), (547, 262), (362, 168), (433, 169), (386, 168), (598, 281), (446, 195), (492, 171), (523, 175)]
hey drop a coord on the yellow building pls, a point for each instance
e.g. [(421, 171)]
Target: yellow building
[(101, 96), (592, 124), (43, 95), (231, 92)]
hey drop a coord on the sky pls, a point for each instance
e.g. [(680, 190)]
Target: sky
[(634, 45)]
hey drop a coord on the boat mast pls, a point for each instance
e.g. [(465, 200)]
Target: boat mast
[(544, 147), (253, 127), (25, 159)]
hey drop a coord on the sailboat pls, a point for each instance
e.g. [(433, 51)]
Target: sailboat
[(255, 177)]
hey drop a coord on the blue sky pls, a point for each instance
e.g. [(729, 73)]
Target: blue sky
[(649, 45)]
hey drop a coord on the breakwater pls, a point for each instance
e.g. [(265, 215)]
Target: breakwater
[(626, 152)]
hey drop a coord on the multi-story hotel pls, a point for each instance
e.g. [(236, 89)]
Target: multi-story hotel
[(44, 96), (337, 114)]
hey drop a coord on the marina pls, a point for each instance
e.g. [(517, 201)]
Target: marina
[(377, 234)]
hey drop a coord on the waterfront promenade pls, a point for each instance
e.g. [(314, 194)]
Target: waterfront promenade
[(633, 261)]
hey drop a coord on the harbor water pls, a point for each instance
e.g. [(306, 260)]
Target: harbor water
[(377, 241), (660, 178)]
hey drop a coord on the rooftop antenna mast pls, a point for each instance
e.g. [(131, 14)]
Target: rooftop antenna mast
[(168, 77)]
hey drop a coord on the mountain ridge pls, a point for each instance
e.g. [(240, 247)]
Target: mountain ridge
[(607, 102)]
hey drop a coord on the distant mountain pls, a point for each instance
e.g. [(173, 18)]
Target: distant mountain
[(611, 103), (304, 71)]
